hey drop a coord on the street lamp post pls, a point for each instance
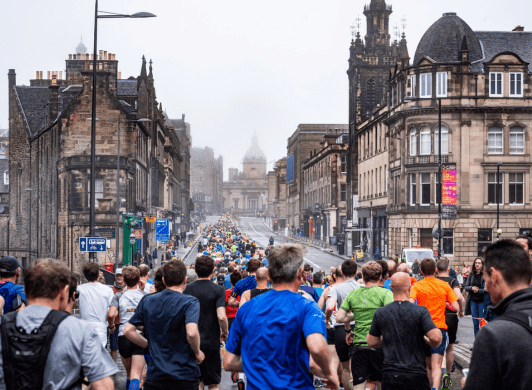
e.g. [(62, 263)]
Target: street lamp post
[(132, 241), (497, 196), (440, 235), (93, 116)]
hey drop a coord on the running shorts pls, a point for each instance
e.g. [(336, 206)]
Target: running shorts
[(404, 381), (452, 326), (342, 348), (128, 348), (366, 364), (211, 367)]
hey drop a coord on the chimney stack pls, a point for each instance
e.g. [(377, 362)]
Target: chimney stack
[(519, 28), (54, 99)]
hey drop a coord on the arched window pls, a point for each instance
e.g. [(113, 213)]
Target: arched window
[(444, 141), (495, 141), (413, 142), (425, 141)]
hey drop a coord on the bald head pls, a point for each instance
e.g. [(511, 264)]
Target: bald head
[(400, 284), (392, 267), (402, 268), (262, 274)]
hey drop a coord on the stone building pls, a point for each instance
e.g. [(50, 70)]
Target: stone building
[(483, 81), (301, 143), (246, 192), (49, 156), (206, 174), (370, 63), (277, 195), (4, 199), (324, 188)]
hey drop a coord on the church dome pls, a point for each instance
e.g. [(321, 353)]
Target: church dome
[(254, 153), (81, 48), (443, 40)]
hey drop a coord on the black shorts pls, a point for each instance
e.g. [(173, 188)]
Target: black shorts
[(330, 335), (404, 381), (451, 320), (211, 367), (343, 350), (366, 364), (230, 322), (128, 348), (172, 384)]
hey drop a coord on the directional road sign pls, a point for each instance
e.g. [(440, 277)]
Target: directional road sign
[(92, 244), (162, 230)]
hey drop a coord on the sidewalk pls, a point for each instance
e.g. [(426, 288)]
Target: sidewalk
[(462, 354)]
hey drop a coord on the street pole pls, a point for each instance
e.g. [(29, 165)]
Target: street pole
[(497, 196), (92, 196), (440, 235), (117, 238)]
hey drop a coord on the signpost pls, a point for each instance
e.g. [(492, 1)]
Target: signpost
[(92, 244), (162, 230)]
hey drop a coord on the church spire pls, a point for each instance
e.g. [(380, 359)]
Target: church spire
[(143, 68)]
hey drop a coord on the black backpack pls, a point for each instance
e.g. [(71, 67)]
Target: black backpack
[(24, 354)]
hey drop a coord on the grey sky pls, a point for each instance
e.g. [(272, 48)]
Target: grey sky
[(231, 66)]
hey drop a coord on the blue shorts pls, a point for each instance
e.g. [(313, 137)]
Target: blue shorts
[(440, 350), (113, 340)]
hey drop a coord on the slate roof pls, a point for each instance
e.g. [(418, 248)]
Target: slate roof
[(67, 95), (126, 106), (443, 40), (126, 87), (33, 101), (494, 42)]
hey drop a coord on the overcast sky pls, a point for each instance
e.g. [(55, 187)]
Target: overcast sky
[(231, 66)]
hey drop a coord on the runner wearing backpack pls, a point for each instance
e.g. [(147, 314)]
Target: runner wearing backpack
[(10, 290)]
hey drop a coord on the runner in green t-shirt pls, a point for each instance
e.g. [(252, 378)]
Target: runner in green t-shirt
[(360, 305)]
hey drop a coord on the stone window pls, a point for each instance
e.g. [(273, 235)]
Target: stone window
[(413, 143), (444, 141), (413, 85), (343, 164), (425, 189), (517, 140), (516, 183), (413, 189), (516, 84), (425, 88), (98, 190), (448, 242), (343, 192), (425, 141), (496, 84), (485, 239), (495, 140), (492, 188), (441, 84), (236, 203)]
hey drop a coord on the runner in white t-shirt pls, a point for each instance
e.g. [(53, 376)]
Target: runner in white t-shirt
[(145, 283), (94, 300)]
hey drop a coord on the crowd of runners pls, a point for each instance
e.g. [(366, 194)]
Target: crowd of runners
[(266, 317)]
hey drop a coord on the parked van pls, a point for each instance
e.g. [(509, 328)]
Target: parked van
[(408, 254)]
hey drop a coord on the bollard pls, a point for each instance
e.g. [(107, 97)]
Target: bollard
[(331, 249)]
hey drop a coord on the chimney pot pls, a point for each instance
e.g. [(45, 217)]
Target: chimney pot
[(60, 75), (40, 75), (92, 57), (48, 75), (37, 75), (104, 55), (70, 56), (119, 75)]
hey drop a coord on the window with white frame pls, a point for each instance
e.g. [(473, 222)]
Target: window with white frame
[(496, 84), (516, 85), (444, 141), (441, 84), (425, 87), (495, 142), (448, 242), (98, 190), (516, 188), (6, 178), (425, 141), (517, 140), (413, 143), (492, 188), (413, 85), (425, 189), (413, 189)]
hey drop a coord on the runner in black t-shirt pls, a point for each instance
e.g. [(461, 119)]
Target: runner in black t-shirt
[(402, 328), (451, 319), (212, 318)]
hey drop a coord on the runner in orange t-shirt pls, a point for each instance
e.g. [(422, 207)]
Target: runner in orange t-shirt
[(434, 294)]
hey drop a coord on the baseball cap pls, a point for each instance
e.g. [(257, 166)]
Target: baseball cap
[(118, 271), (11, 263)]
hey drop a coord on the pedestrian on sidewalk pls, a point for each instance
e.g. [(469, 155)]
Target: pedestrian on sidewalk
[(475, 297), (503, 346)]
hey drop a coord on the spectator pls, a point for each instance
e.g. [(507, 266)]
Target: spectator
[(475, 298), (10, 290), (415, 269)]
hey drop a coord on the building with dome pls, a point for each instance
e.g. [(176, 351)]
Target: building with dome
[(483, 80), (246, 192)]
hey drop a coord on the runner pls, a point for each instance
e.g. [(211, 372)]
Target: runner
[(124, 305), (262, 286), (213, 319), (94, 300), (117, 287), (363, 302), (400, 329), (284, 317), (75, 350), (12, 293), (434, 295), (248, 283), (145, 283)]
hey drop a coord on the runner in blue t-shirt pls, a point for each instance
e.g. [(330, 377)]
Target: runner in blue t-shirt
[(289, 345), (248, 283), (13, 293)]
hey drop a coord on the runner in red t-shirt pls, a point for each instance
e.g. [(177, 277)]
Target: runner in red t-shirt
[(230, 311)]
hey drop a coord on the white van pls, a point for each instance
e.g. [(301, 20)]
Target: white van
[(408, 254)]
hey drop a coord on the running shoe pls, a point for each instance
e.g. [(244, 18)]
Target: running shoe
[(446, 382), (318, 383), (454, 366), (234, 377), (240, 385)]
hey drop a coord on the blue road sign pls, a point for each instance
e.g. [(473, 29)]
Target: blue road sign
[(162, 230), (92, 244)]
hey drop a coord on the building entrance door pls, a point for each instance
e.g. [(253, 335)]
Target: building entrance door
[(425, 238)]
